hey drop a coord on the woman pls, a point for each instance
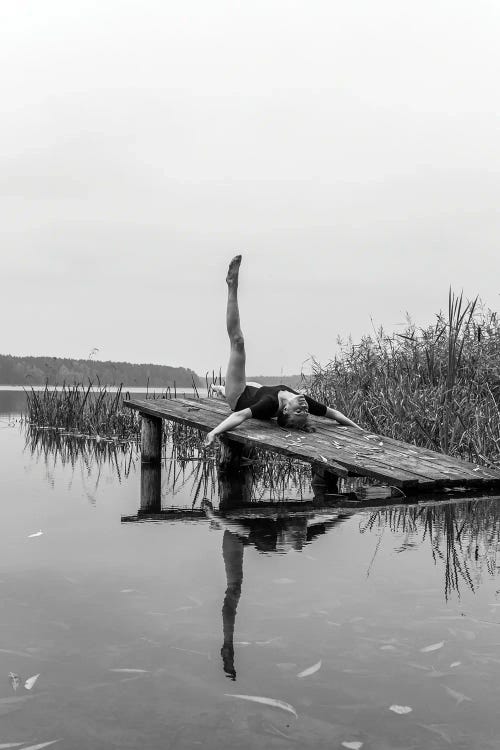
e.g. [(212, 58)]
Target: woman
[(260, 402)]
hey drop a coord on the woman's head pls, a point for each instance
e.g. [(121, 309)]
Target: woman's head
[(295, 413)]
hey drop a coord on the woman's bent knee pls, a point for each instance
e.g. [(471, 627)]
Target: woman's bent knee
[(238, 342)]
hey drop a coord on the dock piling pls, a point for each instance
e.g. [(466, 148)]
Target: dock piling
[(234, 474), (151, 432)]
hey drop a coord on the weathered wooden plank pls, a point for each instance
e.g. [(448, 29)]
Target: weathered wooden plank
[(308, 442), (265, 435), (340, 463), (400, 459), (436, 464), (396, 454), (343, 451), (432, 465)]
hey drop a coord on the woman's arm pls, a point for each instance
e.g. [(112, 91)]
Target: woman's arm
[(233, 420), (339, 417)]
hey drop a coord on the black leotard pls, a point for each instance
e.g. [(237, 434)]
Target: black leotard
[(263, 402)]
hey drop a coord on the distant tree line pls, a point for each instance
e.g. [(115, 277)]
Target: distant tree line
[(57, 370), (292, 381)]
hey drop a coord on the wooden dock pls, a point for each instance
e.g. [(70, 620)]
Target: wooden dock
[(341, 451)]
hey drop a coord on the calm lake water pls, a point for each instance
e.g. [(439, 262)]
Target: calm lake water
[(379, 628)]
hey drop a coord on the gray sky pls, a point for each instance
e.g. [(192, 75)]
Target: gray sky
[(349, 150)]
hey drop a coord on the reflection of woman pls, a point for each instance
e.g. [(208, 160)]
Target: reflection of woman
[(232, 552), (267, 536), (260, 402)]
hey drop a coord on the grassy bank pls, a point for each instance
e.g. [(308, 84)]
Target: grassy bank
[(437, 387)]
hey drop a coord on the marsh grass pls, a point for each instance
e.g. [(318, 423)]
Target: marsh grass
[(437, 387), (89, 411)]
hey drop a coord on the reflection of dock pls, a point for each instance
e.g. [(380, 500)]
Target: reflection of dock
[(255, 511), (339, 451)]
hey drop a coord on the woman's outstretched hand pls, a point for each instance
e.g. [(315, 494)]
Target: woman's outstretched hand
[(209, 440)]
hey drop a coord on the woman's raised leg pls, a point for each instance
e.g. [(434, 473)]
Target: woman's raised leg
[(235, 376)]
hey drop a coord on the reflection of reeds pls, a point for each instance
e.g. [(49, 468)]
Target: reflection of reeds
[(273, 475), (437, 387), (55, 448), (464, 536)]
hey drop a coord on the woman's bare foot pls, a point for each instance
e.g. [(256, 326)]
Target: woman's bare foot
[(233, 270)]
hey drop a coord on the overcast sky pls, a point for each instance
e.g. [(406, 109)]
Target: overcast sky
[(349, 150)]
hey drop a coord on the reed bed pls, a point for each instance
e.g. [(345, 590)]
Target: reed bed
[(85, 411), (436, 387)]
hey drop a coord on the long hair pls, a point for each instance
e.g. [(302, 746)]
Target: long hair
[(283, 420)]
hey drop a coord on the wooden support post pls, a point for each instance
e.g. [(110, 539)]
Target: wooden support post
[(324, 482), (150, 488), (235, 479), (151, 431)]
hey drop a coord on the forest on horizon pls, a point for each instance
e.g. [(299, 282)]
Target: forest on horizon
[(28, 371)]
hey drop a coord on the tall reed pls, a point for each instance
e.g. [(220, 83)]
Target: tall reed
[(437, 387), (82, 410)]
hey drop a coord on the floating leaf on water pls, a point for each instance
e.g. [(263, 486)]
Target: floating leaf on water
[(432, 647), (455, 664), (352, 745), (400, 709), (265, 701), (37, 533), (459, 697), (310, 670), (269, 640), (43, 744), (31, 681), (130, 670), (14, 680)]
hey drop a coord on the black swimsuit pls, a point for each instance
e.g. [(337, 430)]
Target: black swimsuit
[(263, 402)]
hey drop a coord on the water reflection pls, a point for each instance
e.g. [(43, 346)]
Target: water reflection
[(463, 537), (266, 535), (54, 447)]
